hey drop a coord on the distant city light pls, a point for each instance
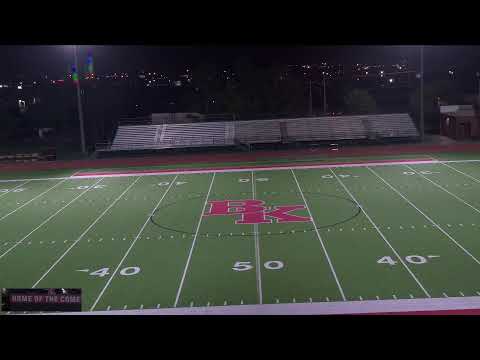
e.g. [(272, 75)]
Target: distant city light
[(450, 72), (19, 87), (390, 80)]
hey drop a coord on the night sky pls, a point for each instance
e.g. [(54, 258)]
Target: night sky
[(56, 60)]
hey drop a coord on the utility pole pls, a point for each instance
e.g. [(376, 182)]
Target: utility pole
[(324, 96), (310, 102), (79, 102), (422, 119)]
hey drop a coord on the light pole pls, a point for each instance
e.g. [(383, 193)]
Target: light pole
[(422, 119), (79, 101), (310, 102), (324, 96)]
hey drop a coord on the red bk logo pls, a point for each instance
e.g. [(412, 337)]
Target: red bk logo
[(255, 212)]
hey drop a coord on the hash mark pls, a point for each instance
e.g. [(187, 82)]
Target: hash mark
[(277, 301), (361, 298), (108, 308), (124, 307), (191, 304), (411, 296), (141, 307), (328, 299), (310, 300), (395, 296), (208, 303), (158, 306), (461, 293), (445, 295), (241, 301), (294, 300), (225, 302), (478, 293), (377, 297)]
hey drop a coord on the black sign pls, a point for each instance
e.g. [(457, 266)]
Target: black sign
[(41, 300)]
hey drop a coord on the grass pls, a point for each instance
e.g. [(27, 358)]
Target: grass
[(414, 226)]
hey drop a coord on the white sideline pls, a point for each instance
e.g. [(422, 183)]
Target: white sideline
[(315, 308), (246, 169)]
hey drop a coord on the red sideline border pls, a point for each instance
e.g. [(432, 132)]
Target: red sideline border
[(175, 159)]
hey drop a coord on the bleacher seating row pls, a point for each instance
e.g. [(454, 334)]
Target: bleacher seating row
[(263, 131)]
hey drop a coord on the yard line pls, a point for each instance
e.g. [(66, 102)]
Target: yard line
[(10, 190), (460, 172), (426, 216), (193, 243), (257, 251), (48, 219), (381, 234), (131, 245), (85, 232), (36, 197), (319, 238), (441, 187)]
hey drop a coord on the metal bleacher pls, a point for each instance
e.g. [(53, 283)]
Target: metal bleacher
[(225, 133)]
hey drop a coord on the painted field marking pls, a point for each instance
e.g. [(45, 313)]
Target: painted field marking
[(426, 217), (441, 187), (16, 187), (85, 232), (36, 197), (257, 251), (382, 235), (319, 238), (47, 220), (131, 245), (187, 264)]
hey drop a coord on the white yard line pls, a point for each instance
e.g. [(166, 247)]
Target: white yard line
[(257, 251), (381, 234), (36, 197), (441, 187), (49, 218), (460, 172), (16, 187), (193, 243), (85, 232), (426, 217), (319, 238), (132, 244)]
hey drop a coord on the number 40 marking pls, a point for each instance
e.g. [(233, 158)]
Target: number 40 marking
[(127, 271), (412, 259)]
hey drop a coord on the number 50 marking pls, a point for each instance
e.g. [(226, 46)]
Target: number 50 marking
[(247, 265)]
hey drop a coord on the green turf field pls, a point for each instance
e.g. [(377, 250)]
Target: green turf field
[(171, 240)]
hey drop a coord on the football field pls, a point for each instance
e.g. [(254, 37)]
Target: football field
[(306, 234)]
